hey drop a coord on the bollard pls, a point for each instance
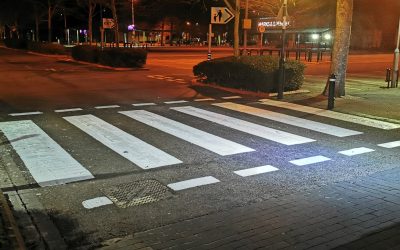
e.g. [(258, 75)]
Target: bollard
[(331, 93), (209, 56), (309, 56), (388, 77)]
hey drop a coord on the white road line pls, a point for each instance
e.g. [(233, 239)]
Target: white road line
[(244, 126), (291, 120), (256, 170), (332, 114), (179, 79), (144, 104), (393, 144), (231, 97), (96, 202), (200, 138), (310, 160), (48, 163), (67, 110), (135, 150), (204, 99), (26, 113), (175, 102), (107, 107), (177, 186), (356, 151)]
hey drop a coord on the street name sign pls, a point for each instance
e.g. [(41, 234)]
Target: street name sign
[(221, 15)]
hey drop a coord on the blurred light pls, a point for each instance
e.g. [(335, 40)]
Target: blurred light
[(327, 36), (131, 27), (315, 36), (187, 23)]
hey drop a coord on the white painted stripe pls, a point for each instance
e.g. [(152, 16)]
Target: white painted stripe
[(244, 126), (231, 97), (179, 79), (204, 99), (291, 120), (135, 150), (107, 107), (175, 102), (96, 202), (200, 138), (144, 104), (256, 170), (48, 163), (67, 110), (26, 113), (332, 114), (393, 144), (356, 151), (310, 160), (177, 186)]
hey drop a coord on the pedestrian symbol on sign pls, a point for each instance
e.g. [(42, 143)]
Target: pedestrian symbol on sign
[(221, 15)]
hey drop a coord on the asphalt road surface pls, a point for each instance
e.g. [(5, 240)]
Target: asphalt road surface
[(106, 153)]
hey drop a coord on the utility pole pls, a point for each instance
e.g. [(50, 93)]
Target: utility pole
[(395, 74), (283, 15)]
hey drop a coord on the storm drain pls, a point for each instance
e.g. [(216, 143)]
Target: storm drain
[(137, 193)]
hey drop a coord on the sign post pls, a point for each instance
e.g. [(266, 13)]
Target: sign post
[(395, 75), (219, 15)]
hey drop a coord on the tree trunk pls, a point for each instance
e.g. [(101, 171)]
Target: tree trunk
[(115, 16), (162, 32), (236, 52), (49, 14), (344, 15), (37, 21), (90, 23)]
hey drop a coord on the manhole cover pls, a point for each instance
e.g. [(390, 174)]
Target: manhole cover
[(137, 193)]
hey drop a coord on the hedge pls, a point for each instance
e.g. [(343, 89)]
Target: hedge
[(45, 48), (115, 57), (255, 73)]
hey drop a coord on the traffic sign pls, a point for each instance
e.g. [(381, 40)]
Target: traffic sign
[(221, 15), (261, 29), (108, 23)]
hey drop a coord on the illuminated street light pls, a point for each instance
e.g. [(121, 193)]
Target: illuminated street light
[(327, 36), (315, 36)]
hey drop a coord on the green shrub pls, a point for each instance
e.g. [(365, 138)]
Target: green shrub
[(86, 53), (15, 43), (115, 57), (123, 57), (46, 48), (256, 73)]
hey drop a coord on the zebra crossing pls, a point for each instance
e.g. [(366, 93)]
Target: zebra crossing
[(50, 164)]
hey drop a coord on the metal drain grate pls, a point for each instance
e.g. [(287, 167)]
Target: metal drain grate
[(137, 193)]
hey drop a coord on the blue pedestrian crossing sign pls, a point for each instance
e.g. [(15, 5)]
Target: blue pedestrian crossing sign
[(221, 15)]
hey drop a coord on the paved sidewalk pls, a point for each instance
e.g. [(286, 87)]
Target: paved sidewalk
[(363, 214)]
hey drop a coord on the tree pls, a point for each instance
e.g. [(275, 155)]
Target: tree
[(344, 16), (90, 5)]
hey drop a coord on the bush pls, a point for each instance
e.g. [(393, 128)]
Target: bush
[(115, 57), (46, 48), (85, 53), (15, 43), (256, 73), (123, 57)]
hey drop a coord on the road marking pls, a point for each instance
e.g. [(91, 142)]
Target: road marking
[(332, 114), (96, 202), (177, 186), (26, 113), (144, 104), (356, 151), (393, 144), (135, 150), (310, 160), (204, 99), (256, 170), (67, 110), (179, 79), (107, 107), (200, 138), (48, 163), (244, 126), (231, 97), (175, 102), (170, 80), (291, 120)]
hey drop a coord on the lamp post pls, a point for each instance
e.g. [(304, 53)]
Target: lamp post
[(283, 16)]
